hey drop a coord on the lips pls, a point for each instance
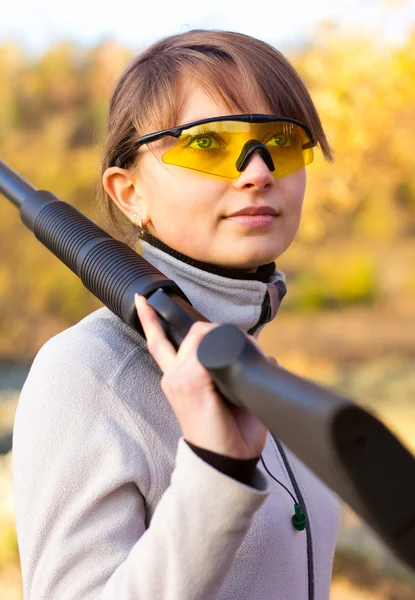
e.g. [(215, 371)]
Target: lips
[(255, 210)]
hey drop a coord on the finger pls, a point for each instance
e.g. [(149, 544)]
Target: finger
[(161, 349), (272, 360), (269, 357)]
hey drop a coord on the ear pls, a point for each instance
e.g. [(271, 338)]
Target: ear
[(123, 188)]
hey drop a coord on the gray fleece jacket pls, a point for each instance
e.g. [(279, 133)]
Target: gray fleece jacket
[(110, 500)]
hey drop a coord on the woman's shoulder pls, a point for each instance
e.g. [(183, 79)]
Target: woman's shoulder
[(100, 342), (69, 400)]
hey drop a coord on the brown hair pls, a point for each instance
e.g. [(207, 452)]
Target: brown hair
[(236, 67)]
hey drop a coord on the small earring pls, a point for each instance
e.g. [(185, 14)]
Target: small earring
[(140, 224)]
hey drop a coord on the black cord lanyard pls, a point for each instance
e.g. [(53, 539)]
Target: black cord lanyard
[(299, 519)]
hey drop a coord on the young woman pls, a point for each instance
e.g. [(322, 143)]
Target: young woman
[(132, 478)]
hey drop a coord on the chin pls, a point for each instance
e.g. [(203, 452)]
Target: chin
[(259, 257), (251, 265)]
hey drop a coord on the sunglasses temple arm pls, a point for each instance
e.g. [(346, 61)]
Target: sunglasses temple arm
[(346, 447)]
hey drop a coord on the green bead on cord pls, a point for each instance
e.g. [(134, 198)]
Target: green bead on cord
[(299, 520)]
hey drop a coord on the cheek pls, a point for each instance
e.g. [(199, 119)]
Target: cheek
[(299, 184), (293, 194), (178, 195)]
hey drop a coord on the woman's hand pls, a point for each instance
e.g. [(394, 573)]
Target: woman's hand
[(205, 419)]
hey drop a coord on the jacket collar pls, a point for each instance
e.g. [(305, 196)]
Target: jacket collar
[(222, 295)]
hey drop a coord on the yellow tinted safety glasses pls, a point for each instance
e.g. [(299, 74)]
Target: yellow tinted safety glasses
[(223, 146)]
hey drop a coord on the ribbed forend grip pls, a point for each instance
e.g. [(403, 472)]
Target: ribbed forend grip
[(64, 230), (110, 269)]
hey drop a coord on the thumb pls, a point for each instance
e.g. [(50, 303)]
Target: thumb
[(272, 359)]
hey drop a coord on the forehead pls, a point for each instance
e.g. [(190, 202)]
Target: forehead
[(198, 101)]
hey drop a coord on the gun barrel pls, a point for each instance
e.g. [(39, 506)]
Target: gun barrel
[(13, 186)]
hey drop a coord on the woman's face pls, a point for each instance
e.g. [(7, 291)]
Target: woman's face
[(187, 209)]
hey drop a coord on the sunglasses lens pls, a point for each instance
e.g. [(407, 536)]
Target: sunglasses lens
[(216, 147)]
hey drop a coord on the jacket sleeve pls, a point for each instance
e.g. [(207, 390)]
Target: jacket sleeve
[(80, 505)]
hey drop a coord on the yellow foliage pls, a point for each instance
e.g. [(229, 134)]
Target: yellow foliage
[(52, 121)]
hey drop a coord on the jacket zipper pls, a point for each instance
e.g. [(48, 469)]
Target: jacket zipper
[(310, 558)]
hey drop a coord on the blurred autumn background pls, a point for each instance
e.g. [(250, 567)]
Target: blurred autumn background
[(349, 317)]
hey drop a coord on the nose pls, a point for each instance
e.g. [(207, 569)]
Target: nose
[(256, 174)]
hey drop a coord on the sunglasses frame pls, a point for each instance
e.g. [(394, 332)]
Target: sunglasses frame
[(245, 118)]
